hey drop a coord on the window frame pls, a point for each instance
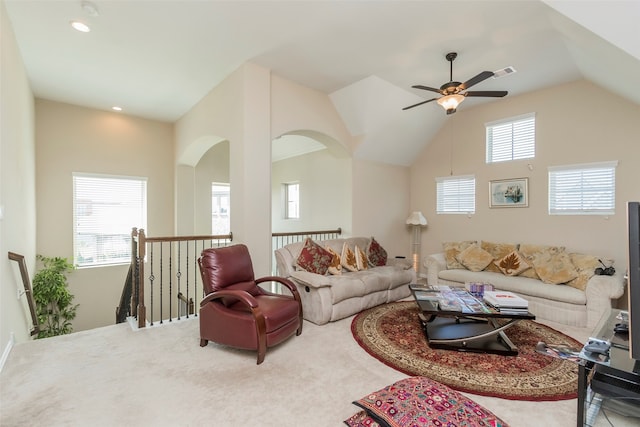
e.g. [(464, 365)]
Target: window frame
[(287, 202), (80, 204), (526, 142), (469, 198), (221, 216), (582, 196)]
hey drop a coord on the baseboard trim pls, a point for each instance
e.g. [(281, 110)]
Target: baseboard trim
[(7, 351)]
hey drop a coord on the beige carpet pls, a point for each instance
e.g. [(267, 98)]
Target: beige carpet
[(159, 376)]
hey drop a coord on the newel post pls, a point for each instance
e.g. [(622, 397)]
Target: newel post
[(142, 249)]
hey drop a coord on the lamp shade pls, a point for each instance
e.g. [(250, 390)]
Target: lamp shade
[(450, 102), (416, 218)]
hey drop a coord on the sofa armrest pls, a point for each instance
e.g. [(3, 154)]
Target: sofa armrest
[(434, 264), (401, 263), (312, 280), (600, 291)]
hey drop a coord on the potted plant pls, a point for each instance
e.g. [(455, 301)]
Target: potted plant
[(54, 302)]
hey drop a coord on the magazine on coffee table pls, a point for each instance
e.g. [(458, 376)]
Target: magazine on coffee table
[(505, 299), (560, 351)]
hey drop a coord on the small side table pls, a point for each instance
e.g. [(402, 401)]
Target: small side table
[(619, 375)]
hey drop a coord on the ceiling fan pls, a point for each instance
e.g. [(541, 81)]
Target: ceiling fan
[(453, 93)]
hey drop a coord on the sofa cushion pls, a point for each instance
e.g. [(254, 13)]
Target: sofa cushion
[(336, 266), (531, 252), (376, 254), (452, 249), (347, 285), (498, 251), (512, 264), (474, 258), (555, 268), (348, 258), (314, 258), (523, 286), (585, 265)]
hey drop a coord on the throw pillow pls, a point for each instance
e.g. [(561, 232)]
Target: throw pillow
[(498, 251), (376, 254), (555, 268), (362, 419), (531, 252), (585, 265), (314, 258), (361, 259), (512, 264), (335, 267), (420, 401), (452, 249), (474, 258), (348, 258)]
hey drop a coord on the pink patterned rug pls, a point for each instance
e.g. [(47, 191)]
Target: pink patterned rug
[(392, 334)]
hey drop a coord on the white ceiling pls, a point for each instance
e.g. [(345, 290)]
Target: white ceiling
[(157, 58)]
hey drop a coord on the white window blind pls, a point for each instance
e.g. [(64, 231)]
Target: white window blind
[(105, 209), (456, 194), (582, 189), (511, 139)]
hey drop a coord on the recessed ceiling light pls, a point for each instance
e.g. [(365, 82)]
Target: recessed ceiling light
[(80, 26), (116, 108)]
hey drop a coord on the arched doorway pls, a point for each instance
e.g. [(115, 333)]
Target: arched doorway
[(321, 168)]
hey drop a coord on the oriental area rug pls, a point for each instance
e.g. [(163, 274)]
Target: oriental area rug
[(392, 334)]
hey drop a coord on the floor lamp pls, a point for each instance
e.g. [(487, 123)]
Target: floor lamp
[(417, 221)]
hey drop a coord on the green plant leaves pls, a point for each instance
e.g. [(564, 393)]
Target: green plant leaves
[(52, 297)]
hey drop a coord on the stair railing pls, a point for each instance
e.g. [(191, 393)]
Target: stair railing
[(172, 265)]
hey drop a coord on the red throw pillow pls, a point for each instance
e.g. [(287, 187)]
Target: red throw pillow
[(314, 258), (376, 254)]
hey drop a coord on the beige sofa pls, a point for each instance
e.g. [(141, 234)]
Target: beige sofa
[(327, 298), (581, 303)]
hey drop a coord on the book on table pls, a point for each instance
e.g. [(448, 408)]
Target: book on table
[(506, 300)]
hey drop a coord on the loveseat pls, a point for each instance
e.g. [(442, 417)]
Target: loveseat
[(558, 284), (365, 278)]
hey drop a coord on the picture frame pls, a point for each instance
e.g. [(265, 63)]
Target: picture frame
[(509, 193)]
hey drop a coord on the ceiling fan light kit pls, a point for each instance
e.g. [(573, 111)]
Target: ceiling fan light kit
[(450, 102), (453, 93)]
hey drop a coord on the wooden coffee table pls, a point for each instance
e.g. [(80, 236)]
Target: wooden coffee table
[(473, 326)]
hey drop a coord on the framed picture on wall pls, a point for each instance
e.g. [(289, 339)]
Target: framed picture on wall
[(509, 193)]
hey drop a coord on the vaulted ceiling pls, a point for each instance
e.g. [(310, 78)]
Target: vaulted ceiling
[(156, 58)]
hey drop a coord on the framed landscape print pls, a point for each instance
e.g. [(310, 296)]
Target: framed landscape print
[(509, 193)]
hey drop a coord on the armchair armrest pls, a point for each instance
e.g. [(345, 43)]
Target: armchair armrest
[(286, 282), (243, 296)]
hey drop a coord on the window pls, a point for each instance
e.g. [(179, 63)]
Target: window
[(587, 189), (220, 206), (456, 194), (105, 209), (511, 139), (292, 201)]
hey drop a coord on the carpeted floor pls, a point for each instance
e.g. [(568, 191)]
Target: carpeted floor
[(392, 333), (160, 376)]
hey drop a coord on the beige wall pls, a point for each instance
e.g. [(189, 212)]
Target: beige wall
[(76, 139), (381, 205), (575, 123), (324, 197), (212, 167), (17, 187)]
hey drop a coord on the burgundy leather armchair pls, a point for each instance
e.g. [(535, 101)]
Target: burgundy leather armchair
[(236, 311)]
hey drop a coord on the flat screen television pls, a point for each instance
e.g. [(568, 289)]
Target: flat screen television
[(633, 291)]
